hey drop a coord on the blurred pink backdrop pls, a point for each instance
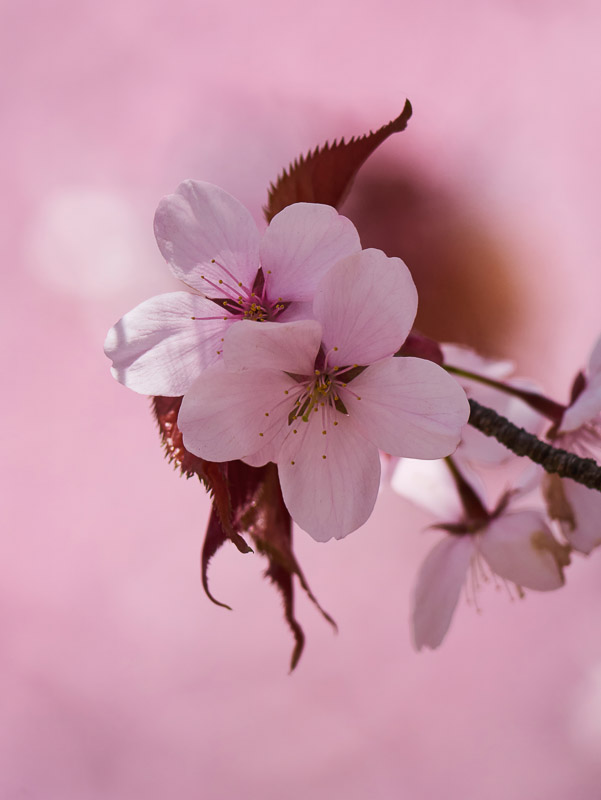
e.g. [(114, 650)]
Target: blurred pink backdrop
[(119, 678)]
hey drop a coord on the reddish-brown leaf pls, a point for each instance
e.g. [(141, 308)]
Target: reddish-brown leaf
[(246, 500), (212, 475), (326, 174)]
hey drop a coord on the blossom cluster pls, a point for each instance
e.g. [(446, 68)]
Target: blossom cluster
[(292, 372), (284, 351)]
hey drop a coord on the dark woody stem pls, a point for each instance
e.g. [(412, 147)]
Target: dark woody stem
[(545, 406), (552, 459)]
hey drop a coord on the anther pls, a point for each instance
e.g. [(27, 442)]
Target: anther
[(323, 456), (260, 434), (292, 462), (267, 413), (324, 432)]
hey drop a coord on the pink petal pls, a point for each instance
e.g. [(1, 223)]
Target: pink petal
[(157, 348), (228, 415), (520, 548), (588, 403), (366, 305), (201, 222), (586, 510), (594, 364), (457, 355), (332, 496), (300, 245), (586, 407), (430, 485), (289, 346), (408, 407), (438, 588)]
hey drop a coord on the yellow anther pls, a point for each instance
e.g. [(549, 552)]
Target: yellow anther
[(212, 261), (324, 432), (285, 390), (323, 456), (292, 462), (260, 434), (267, 413), (336, 349), (295, 431), (335, 423)]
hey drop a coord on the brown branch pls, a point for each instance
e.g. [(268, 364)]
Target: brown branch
[(552, 459)]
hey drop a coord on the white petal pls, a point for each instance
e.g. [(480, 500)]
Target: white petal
[(157, 348), (289, 346), (586, 510), (366, 305), (520, 548), (300, 245), (457, 355), (430, 485), (586, 407), (332, 496), (202, 222), (228, 415), (408, 407), (438, 587)]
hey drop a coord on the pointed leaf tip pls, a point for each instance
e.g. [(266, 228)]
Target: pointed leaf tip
[(326, 174)]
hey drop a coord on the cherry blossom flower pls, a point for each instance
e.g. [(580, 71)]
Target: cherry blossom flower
[(576, 508), (515, 545), (320, 396), (211, 243)]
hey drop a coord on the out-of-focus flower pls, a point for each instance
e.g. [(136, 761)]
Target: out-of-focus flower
[(211, 243), (576, 508), (517, 546), (475, 447), (319, 397)]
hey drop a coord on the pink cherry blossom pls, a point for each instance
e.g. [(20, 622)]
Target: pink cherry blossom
[(320, 396), (516, 546), (578, 509), (211, 243)]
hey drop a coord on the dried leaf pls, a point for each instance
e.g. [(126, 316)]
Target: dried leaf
[(212, 475), (326, 174)]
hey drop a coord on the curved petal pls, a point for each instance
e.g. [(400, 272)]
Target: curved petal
[(408, 407), (437, 590), (586, 406), (300, 245), (202, 222), (366, 305), (332, 496), (289, 346), (228, 415), (158, 348), (520, 548), (430, 485), (458, 355), (583, 532)]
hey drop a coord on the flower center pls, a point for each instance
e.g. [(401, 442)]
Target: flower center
[(240, 301)]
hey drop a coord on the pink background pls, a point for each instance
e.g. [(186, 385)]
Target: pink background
[(118, 678)]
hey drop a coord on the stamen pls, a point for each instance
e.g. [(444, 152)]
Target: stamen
[(230, 275)]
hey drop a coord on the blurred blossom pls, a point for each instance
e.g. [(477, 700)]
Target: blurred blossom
[(87, 243)]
